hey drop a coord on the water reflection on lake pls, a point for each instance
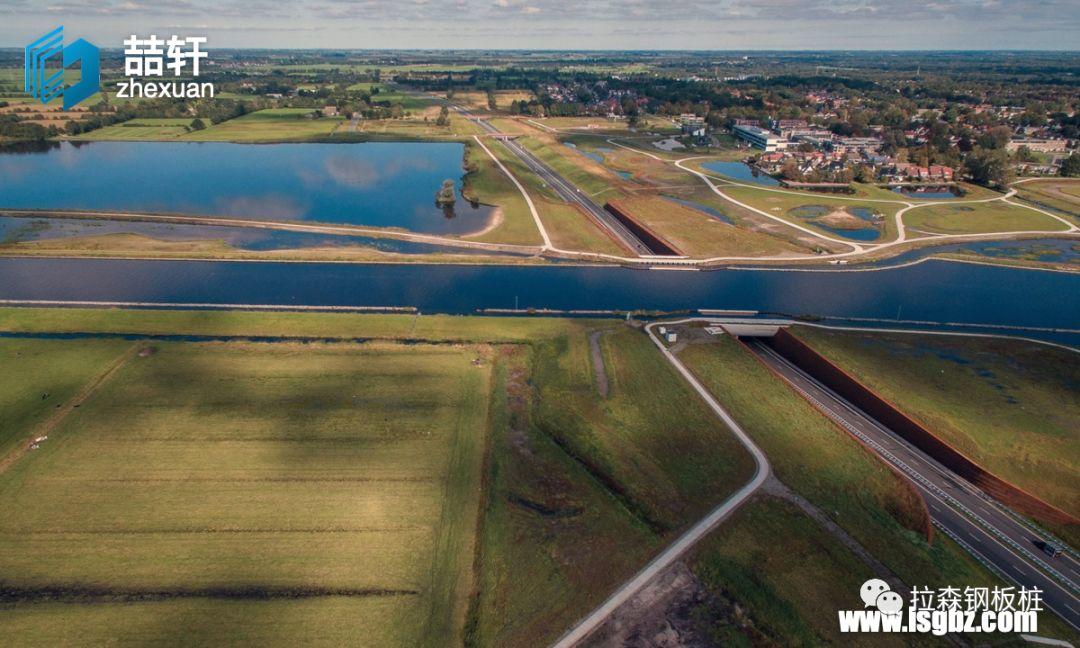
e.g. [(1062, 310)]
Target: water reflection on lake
[(387, 184), (741, 172)]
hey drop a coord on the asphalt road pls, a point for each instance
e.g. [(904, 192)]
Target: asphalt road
[(566, 190), (996, 536)]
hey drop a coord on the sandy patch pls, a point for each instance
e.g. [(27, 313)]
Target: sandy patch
[(494, 221)]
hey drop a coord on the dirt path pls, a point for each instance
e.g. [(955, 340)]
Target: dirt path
[(50, 424), (598, 363)]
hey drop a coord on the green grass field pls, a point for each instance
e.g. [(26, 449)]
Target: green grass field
[(141, 129), (585, 488), (488, 184), (275, 124), (38, 376), (789, 205), (350, 471), (979, 218), (1061, 194), (791, 573), (698, 234), (580, 492), (341, 478), (825, 465), (1009, 405)]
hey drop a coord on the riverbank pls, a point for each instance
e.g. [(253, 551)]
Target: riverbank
[(429, 249)]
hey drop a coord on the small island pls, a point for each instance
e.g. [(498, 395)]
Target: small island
[(445, 196)]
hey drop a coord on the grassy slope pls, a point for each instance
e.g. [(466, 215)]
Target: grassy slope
[(555, 541), (1010, 405), (192, 461), (789, 571), (588, 175), (585, 489), (825, 465)]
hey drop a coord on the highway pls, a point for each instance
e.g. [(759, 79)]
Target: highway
[(566, 190), (995, 535)]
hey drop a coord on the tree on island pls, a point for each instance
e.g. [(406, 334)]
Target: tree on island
[(446, 195), (197, 125), (444, 117)]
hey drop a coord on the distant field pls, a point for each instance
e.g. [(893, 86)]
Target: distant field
[(380, 92), (268, 125), (1009, 405), (141, 129), (503, 98), (584, 123), (275, 494)]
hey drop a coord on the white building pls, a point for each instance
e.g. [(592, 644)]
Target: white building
[(767, 141)]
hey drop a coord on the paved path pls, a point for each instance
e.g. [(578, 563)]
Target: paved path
[(696, 532)]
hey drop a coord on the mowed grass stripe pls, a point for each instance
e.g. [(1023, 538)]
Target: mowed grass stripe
[(372, 560), (255, 460)]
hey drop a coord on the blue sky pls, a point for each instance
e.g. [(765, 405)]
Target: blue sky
[(563, 24)]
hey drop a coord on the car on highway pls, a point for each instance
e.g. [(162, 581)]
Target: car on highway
[(1051, 549)]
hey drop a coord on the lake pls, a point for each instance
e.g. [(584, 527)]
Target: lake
[(929, 194), (741, 172), (932, 291), (385, 184)]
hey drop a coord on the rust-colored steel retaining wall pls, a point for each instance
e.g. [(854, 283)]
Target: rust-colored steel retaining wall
[(892, 417), (657, 244)]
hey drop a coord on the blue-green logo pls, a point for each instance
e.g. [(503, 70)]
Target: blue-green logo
[(46, 83)]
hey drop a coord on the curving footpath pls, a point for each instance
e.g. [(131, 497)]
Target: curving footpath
[(674, 551)]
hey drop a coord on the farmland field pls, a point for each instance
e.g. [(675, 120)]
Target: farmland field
[(266, 493), (269, 125), (141, 129), (285, 493)]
